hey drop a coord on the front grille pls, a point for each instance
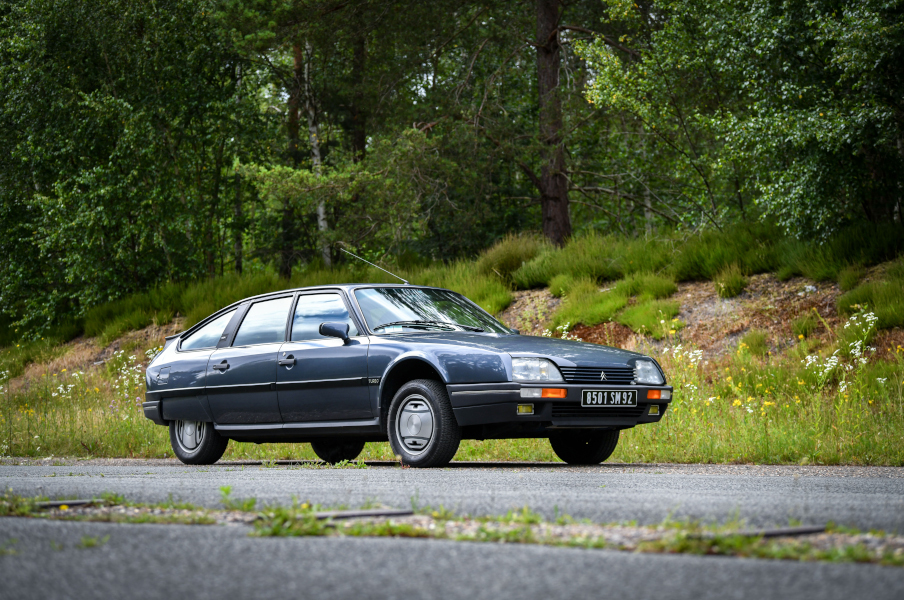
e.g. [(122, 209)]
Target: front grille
[(614, 375), (572, 410)]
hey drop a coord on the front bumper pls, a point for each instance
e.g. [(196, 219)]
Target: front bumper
[(488, 403)]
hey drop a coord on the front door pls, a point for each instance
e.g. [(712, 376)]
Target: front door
[(241, 379), (323, 378)]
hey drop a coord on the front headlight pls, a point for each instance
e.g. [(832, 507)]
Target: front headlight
[(645, 371), (534, 369)]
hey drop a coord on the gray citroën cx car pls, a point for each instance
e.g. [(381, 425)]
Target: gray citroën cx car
[(338, 366)]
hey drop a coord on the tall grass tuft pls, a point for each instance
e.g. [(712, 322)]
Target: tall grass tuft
[(656, 318), (730, 281), (849, 277), (509, 254)]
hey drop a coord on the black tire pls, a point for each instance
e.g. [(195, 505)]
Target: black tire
[(334, 450), (422, 400), (206, 452), (584, 447)]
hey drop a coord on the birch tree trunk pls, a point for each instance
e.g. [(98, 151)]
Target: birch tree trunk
[(316, 162)]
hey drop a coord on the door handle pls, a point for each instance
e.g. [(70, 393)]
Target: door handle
[(221, 367), (287, 361)]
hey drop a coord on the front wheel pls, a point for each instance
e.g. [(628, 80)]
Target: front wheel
[(196, 442), (584, 447), (422, 426), (336, 450)]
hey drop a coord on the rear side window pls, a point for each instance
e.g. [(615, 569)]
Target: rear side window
[(209, 335), (265, 323), (314, 309)]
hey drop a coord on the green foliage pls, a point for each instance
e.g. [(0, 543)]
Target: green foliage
[(886, 298), (750, 247), (849, 277), (509, 254), (16, 357), (730, 281), (560, 284), (646, 286), (805, 324), (653, 317), (755, 342), (585, 304), (788, 104), (593, 256)]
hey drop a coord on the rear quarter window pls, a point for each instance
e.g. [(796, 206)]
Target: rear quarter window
[(209, 335)]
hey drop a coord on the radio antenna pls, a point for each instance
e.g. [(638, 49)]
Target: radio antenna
[(373, 265)]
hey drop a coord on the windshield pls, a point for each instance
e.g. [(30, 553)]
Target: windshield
[(396, 309)]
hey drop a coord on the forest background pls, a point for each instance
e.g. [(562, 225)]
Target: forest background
[(161, 159), (173, 140)]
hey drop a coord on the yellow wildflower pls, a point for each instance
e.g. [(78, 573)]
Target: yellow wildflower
[(736, 402), (800, 336)]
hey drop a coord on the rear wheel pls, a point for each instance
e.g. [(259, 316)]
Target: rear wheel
[(337, 449), (422, 426), (584, 447), (196, 442)]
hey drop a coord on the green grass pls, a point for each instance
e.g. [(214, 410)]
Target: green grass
[(805, 325), (509, 254), (584, 303), (849, 277), (755, 342), (653, 317), (730, 281)]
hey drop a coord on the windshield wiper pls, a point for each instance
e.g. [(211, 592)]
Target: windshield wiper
[(429, 324)]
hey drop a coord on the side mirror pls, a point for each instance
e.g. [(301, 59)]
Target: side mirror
[(337, 330)]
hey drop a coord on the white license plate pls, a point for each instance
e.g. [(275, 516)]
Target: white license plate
[(608, 397)]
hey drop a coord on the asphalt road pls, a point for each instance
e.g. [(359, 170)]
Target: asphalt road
[(759, 496), (46, 559), (198, 562)]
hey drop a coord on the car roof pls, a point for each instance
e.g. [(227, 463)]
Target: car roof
[(348, 287)]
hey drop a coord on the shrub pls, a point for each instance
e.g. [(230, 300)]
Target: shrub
[(849, 277), (653, 317), (756, 342), (885, 298), (509, 254), (730, 281), (560, 285), (702, 256), (804, 325), (584, 303)]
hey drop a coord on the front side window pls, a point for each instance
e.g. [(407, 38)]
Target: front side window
[(265, 323), (397, 309), (314, 309), (209, 335)]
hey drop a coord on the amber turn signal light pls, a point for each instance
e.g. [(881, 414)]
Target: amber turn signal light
[(554, 393), (654, 394)]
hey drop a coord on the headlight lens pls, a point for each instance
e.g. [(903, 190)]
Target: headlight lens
[(535, 369), (645, 371)]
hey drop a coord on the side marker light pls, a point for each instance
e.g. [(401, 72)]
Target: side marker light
[(554, 393)]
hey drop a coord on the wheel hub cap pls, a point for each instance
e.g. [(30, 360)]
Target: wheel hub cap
[(190, 434), (414, 425)]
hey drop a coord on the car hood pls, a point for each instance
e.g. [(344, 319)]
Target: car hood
[(562, 352)]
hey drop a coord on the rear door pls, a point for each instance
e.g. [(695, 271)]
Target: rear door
[(241, 378), (328, 379), (181, 382)]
